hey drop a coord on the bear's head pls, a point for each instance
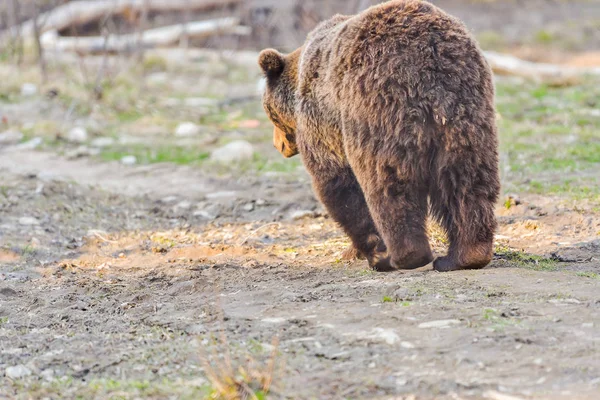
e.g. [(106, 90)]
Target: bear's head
[(279, 98)]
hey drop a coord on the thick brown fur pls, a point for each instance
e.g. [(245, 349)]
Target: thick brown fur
[(392, 112)]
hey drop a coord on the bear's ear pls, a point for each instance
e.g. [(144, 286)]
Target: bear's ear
[(271, 62)]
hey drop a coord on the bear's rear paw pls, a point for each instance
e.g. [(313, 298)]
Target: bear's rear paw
[(413, 260), (447, 263)]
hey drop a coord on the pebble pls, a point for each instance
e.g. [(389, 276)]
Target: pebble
[(187, 129), (184, 205), (238, 150), (47, 374), (300, 214), (248, 207), (17, 372), (10, 137), (28, 221), (442, 323), (28, 89), (221, 195), (129, 160), (77, 135), (196, 329), (81, 151)]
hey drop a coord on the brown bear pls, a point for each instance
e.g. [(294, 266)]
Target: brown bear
[(392, 112)]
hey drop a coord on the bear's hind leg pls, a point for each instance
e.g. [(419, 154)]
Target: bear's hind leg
[(465, 207), (342, 196), (399, 208)]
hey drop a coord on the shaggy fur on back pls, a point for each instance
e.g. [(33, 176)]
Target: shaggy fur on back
[(392, 113)]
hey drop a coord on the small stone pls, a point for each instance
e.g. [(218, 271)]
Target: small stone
[(196, 329), (441, 324), (187, 129), (10, 137), (47, 374), (129, 160), (81, 151), (8, 292), (184, 205), (238, 150), (301, 214), (407, 345), (261, 202), (221, 195), (28, 89), (28, 221), (204, 214), (248, 207), (17, 372), (77, 135), (102, 142)]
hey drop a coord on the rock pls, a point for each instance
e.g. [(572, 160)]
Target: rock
[(221, 195), (385, 335), (77, 135), (490, 394), (196, 329), (261, 202), (440, 324), (248, 207), (102, 142), (31, 144), (129, 160), (187, 129), (47, 374), (407, 345), (28, 221), (8, 292), (169, 199), (17, 372), (28, 90), (261, 86), (300, 214), (10, 137), (81, 151), (204, 214), (183, 205), (238, 150)]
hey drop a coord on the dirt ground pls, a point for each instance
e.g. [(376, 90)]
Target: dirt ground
[(120, 286), (131, 280)]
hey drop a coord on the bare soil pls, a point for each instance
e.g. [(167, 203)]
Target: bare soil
[(118, 281)]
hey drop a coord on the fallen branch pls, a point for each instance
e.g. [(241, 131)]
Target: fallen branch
[(158, 37), (82, 12), (503, 64)]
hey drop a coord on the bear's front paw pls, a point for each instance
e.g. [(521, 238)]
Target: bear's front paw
[(381, 263)]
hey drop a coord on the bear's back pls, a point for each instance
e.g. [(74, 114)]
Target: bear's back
[(404, 59)]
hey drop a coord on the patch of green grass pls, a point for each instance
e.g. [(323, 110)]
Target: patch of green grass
[(550, 137), (3, 320), (544, 37), (525, 260), (145, 155), (589, 274), (387, 299)]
